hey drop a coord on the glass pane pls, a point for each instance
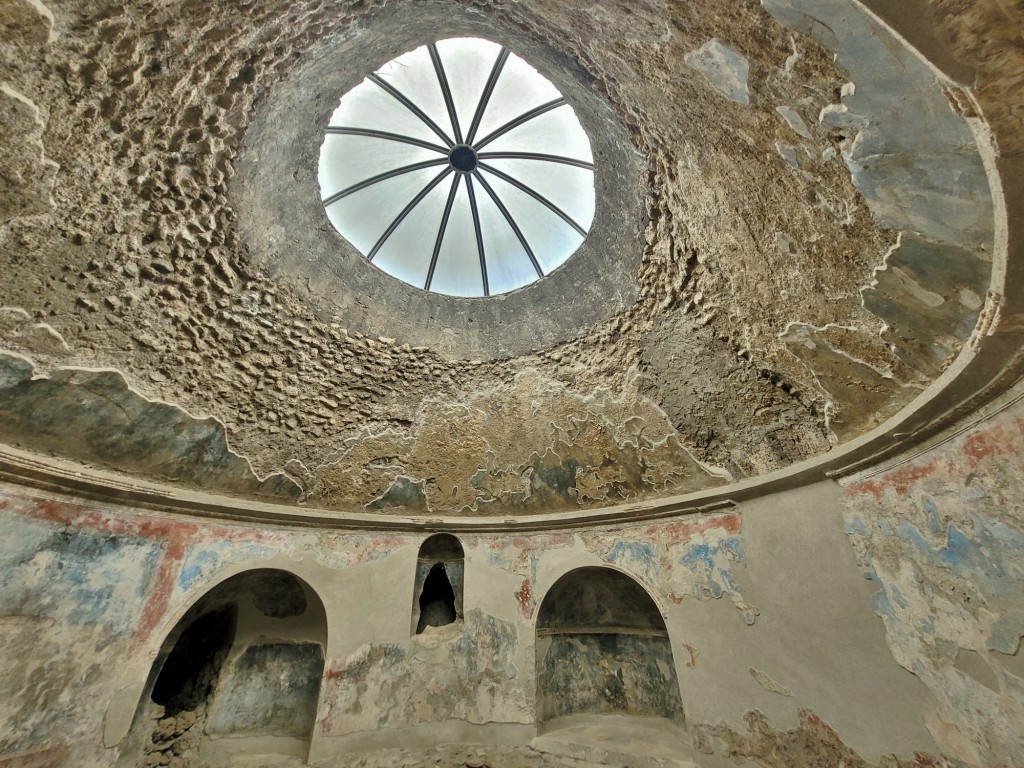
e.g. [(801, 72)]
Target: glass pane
[(508, 266), (406, 255), (557, 132), (467, 62), (370, 106), (363, 216), (568, 187), (552, 240), (519, 89), (413, 74), (458, 264), (347, 160)]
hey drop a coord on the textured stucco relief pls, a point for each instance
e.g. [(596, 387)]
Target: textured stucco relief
[(23, 335), (27, 174), (941, 534), (140, 268), (860, 394), (26, 22), (532, 445)]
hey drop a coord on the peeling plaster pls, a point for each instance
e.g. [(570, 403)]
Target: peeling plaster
[(94, 416), (812, 743), (941, 535), (530, 446), (726, 70)]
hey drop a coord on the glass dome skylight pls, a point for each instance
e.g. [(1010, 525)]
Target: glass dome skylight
[(459, 169)]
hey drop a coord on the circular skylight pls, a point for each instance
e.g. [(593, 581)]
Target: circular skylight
[(459, 169)]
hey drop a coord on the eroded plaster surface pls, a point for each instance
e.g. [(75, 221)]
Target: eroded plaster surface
[(94, 416), (773, 308), (91, 594), (27, 174), (941, 535)]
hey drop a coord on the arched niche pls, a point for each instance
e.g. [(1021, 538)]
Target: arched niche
[(603, 649), (439, 583), (239, 673)]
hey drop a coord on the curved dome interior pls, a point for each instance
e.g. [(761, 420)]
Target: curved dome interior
[(285, 278), (812, 246)]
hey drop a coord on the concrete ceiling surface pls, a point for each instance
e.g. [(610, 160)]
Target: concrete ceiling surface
[(804, 255)]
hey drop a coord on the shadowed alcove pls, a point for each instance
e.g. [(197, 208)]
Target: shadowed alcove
[(438, 591), (240, 673), (603, 649)]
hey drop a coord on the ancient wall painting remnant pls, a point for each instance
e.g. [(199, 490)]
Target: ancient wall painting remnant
[(941, 535), (468, 672), (603, 648), (94, 416), (526, 446), (271, 689)]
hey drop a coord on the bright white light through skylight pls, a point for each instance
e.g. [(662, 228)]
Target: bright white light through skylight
[(459, 169)]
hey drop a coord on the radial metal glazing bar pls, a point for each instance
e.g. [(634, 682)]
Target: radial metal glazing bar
[(383, 177), (404, 100), (375, 134), (536, 156), (449, 103), (440, 231), (485, 97), (523, 118), (479, 234), (406, 211), (536, 196), (511, 222)]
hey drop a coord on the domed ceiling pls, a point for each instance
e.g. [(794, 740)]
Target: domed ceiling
[(794, 239)]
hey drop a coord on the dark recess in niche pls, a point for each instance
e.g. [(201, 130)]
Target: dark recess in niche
[(190, 671), (245, 662), (277, 594), (437, 596), (437, 600)]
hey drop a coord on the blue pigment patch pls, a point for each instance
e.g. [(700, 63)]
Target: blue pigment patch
[(711, 562), (198, 567), (80, 577), (990, 556), (639, 554)]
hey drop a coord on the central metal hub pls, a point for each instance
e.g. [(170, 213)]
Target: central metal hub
[(463, 158)]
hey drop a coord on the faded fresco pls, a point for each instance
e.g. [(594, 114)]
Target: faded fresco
[(96, 588), (942, 535)]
